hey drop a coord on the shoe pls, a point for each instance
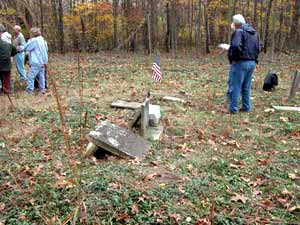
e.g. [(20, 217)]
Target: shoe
[(243, 110)]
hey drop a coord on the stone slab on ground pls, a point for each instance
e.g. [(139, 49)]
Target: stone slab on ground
[(287, 108), (119, 141), (126, 105), (173, 99)]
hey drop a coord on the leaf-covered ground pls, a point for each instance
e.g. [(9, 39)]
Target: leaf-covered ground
[(238, 169)]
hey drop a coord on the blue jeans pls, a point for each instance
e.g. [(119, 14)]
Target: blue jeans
[(39, 71), (239, 83), (20, 58)]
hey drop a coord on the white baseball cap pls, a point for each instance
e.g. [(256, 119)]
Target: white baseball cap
[(238, 19)]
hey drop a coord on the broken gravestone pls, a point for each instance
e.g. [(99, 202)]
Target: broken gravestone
[(118, 140), (154, 115), (126, 105)]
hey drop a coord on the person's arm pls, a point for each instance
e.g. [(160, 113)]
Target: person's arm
[(236, 42), (13, 50), (29, 46)]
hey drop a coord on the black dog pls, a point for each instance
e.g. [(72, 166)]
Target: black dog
[(270, 82)]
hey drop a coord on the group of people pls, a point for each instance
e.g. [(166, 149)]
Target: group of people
[(37, 50)]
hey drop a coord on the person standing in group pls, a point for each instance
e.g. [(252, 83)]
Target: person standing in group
[(6, 52), (242, 55), (20, 57), (38, 59)]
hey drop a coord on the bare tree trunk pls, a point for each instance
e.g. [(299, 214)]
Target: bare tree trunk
[(295, 21), (255, 14), (267, 26), (206, 27), (115, 15), (60, 27), (198, 27), (168, 33), (149, 34), (261, 19), (273, 37), (42, 16)]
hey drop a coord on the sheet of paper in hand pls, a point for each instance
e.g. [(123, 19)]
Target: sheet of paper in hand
[(224, 46)]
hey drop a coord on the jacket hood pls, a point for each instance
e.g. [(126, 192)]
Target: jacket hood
[(249, 29)]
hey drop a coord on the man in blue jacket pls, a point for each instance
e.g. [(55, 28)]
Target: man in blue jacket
[(242, 55)]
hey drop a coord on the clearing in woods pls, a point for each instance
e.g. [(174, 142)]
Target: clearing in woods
[(237, 169)]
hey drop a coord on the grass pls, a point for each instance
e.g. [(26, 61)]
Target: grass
[(204, 152)]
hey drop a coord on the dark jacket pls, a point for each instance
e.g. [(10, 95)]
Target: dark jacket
[(6, 51), (244, 44)]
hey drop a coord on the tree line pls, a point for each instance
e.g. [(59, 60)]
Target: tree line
[(150, 25)]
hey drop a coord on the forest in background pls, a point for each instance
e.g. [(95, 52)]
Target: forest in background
[(150, 25)]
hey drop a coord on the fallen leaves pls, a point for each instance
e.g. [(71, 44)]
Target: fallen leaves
[(286, 192), (293, 176), (151, 176), (2, 206), (135, 209), (294, 208), (239, 198), (175, 217), (234, 143), (202, 222), (237, 164)]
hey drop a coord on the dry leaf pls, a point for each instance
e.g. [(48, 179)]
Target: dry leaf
[(2, 206), (240, 198), (284, 119), (135, 209), (98, 117), (151, 176), (123, 216), (245, 179), (176, 217), (257, 192), (285, 192), (282, 201), (202, 222), (294, 208), (293, 176), (237, 165), (22, 217), (234, 143), (267, 204), (200, 134)]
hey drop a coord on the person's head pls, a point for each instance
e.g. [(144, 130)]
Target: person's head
[(17, 29), (2, 29), (237, 21), (35, 32)]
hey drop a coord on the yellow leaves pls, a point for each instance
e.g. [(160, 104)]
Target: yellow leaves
[(97, 19)]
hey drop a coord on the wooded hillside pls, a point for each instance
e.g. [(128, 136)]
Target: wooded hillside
[(167, 25)]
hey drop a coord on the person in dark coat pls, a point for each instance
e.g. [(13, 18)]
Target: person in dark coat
[(6, 52), (242, 55)]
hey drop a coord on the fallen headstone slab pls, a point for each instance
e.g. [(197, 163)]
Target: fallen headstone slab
[(126, 105), (287, 108), (119, 141), (173, 99)]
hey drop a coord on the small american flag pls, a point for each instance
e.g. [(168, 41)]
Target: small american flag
[(156, 73)]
